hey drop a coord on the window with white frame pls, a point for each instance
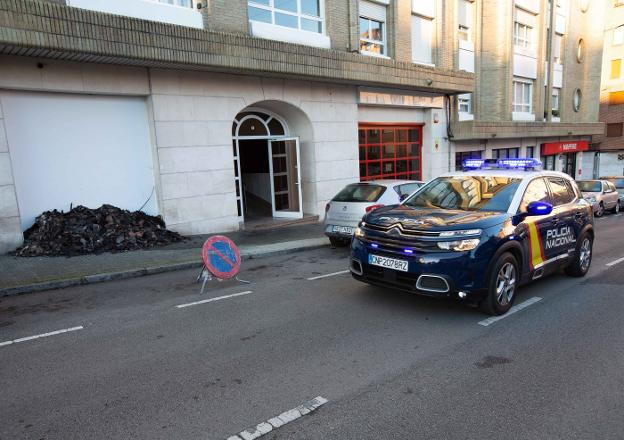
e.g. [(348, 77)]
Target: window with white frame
[(305, 15), (522, 34), (372, 28), (464, 20), (181, 3), (465, 103), (554, 101), (522, 96), (422, 39), (558, 49), (618, 36)]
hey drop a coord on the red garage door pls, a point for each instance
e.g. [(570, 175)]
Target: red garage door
[(390, 151)]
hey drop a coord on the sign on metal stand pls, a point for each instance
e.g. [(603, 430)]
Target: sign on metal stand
[(221, 260)]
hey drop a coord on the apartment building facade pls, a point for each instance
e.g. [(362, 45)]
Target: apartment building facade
[(524, 105), (218, 116), (609, 147)]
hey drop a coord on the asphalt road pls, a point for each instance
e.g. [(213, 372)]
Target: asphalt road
[(391, 364)]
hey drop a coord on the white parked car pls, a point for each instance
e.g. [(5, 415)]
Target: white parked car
[(601, 194), (346, 209)]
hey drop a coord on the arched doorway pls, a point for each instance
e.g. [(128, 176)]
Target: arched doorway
[(266, 167)]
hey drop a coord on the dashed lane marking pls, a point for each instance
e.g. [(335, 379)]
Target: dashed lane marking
[(328, 275), (42, 335), (514, 309), (281, 420), (209, 300), (613, 263)]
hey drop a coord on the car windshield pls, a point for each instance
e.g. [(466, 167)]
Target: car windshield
[(590, 185), (618, 182), (467, 193), (360, 192)]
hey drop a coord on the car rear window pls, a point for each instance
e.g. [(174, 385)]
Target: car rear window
[(590, 185), (619, 183), (360, 192), (407, 188)]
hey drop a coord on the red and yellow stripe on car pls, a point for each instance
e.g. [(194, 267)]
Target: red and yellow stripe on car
[(535, 247)]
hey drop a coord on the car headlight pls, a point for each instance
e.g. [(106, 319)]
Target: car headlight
[(359, 232), (459, 245)]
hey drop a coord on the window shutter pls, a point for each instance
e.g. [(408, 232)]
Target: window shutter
[(422, 39), (372, 10)]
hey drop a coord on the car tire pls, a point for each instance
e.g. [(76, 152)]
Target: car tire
[(616, 208), (582, 258), (502, 286), (337, 242), (600, 211)]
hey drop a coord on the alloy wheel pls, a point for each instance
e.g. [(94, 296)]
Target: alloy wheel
[(585, 254), (505, 284)]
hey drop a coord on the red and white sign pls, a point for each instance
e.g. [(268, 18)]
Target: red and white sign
[(550, 148)]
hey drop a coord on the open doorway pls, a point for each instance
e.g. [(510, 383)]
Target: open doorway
[(267, 171)]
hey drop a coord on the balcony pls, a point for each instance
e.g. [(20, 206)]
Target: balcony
[(180, 12)]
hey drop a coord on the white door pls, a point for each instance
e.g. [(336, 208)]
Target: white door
[(285, 178)]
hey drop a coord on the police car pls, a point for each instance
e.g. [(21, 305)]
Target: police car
[(479, 234)]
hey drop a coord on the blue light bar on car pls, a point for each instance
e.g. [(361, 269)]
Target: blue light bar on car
[(522, 163), (473, 164)]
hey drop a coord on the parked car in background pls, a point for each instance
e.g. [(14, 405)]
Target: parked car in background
[(346, 209), (601, 194), (618, 181)]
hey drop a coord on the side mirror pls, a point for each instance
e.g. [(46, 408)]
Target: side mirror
[(539, 208)]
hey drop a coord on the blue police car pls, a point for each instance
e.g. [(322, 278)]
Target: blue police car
[(479, 234)]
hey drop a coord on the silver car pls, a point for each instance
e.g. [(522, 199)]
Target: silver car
[(346, 209), (601, 194), (618, 181)]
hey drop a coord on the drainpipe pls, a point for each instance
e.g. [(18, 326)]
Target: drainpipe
[(549, 54)]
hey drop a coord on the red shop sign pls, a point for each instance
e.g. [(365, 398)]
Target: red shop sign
[(550, 148)]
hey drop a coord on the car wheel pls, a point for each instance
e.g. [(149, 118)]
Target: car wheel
[(337, 242), (616, 208), (583, 257), (502, 286), (600, 211)]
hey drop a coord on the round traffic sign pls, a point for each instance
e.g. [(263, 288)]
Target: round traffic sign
[(221, 257)]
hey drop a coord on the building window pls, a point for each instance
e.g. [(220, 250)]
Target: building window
[(616, 69), (305, 15), (618, 36), (522, 34), (461, 156), (372, 28), (555, 101), (614, 130), (616, 98), (580, 51), (522, 96), (181, 3), (505, 153), (558, 49), (530, 152), (390, 152), (465, 103), (422, 39), (465, 20), (576, 99)]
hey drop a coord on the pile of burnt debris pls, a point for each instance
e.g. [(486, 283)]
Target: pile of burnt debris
[(91, 231)]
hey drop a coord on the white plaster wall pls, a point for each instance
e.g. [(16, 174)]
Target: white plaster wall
[(193, 115), (10, 230)]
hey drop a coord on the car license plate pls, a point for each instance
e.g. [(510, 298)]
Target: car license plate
[(344, 230), (388, 263)]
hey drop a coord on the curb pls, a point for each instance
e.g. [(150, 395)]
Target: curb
[(270, 251)]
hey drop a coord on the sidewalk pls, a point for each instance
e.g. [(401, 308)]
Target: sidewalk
[(31, 274)]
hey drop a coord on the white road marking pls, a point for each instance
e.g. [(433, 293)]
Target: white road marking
[(43, 335), (514, 309), (613, 263), (329, 275), (218, 298), (284, 418)]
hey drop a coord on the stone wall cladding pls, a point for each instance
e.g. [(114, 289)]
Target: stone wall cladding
[(37, 28), (10, 228), (467, 130)]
